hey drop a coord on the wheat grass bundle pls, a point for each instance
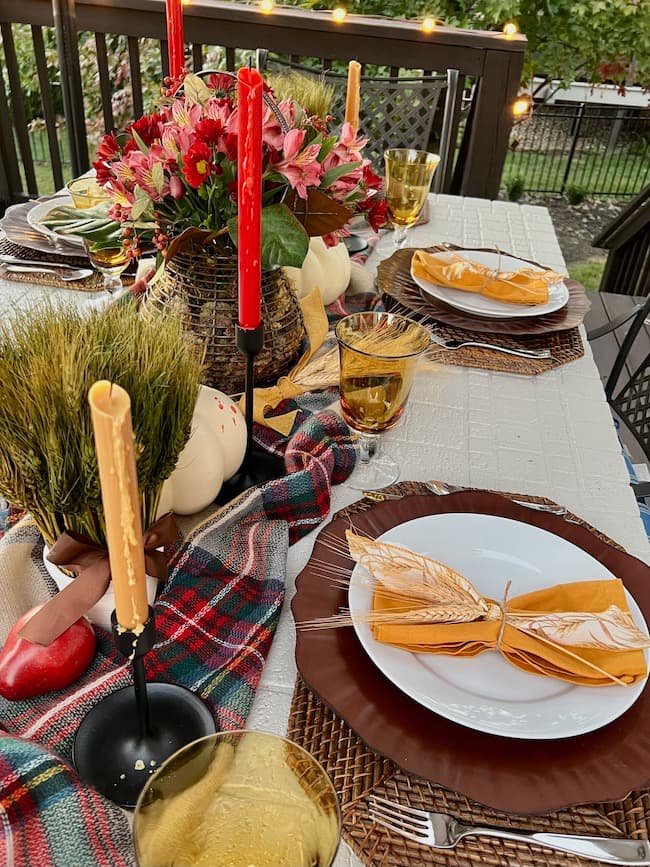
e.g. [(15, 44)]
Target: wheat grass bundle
[(49, 358)]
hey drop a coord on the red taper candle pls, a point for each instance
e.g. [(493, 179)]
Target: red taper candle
[(175, 36), (250, 90)]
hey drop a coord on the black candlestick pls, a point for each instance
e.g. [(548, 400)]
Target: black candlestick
[(128, 734), (258, 466)]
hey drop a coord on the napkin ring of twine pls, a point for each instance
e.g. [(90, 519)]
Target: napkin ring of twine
[(90, 562), (504, 612)]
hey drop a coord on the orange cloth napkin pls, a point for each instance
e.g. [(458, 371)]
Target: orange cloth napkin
[(581, 632), (525, 286)]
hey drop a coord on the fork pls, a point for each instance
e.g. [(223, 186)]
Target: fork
[(459, 344), (442, 831), (442, 488)]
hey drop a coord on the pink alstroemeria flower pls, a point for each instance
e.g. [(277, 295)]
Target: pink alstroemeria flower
[(142, 166), (300, 168), (272, 135), (186, 114), (347, 149)]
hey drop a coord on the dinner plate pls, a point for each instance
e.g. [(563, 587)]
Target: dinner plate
[(487, 693), (507, 773), (20, 232), (480, 305), (40, 211)]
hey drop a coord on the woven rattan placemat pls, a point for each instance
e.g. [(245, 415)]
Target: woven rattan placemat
[(565, 346), (358, 772), (94, 283)]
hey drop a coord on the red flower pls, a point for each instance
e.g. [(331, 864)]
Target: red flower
[(197, 164), (148, 127), (376, 211), (370, 179), (209, 131), (108, 148), (221, 82)]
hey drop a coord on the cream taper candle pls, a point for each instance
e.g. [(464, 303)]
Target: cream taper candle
[(353, 97), (110, 410)]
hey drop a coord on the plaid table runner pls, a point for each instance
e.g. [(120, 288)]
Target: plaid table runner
[(215, 620)]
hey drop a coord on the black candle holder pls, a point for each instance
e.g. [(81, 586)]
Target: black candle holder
[(128, 734), (258, 466)]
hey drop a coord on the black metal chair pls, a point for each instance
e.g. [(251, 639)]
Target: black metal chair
[(630, 400), (397, 112)]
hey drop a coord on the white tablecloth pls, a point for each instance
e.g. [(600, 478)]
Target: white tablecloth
[(550, 435)]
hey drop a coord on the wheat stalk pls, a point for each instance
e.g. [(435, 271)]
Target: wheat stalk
[(48, 361)]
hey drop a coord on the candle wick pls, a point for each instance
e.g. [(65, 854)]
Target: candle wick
[(250, 63)]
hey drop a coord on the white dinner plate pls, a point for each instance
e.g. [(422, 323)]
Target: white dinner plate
[(485, 692), (38, 213), (472, 302)]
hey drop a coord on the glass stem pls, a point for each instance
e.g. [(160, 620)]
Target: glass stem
[(368, 447), (399, 236)]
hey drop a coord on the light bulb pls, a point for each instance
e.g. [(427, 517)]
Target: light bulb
[(266, 6), (339, 14), (510, 29), (428, 24), (521, 106)]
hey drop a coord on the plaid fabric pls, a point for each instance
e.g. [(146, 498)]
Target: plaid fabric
[(49, 819), (215, 619)]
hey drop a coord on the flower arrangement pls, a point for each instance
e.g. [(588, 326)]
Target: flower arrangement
[(172, 174)]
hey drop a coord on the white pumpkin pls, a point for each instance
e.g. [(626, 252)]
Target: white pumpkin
[(212, 455), (328, 268)]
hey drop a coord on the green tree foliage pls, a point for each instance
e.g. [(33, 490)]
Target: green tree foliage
[(596, 40)]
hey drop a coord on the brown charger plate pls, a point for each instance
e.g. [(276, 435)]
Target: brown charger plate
[(522, 776), (394, 279)]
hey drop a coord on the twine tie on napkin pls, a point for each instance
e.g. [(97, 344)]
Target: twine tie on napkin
[(90, 561), (580, 632), (524, 286)]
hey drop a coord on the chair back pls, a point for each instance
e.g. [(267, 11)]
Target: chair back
[(630, 399), (421, 112)]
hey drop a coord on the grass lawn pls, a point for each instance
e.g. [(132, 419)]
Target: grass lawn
[(622, 174), (588, 273)]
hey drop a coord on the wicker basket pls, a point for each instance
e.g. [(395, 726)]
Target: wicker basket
[(202, 281)]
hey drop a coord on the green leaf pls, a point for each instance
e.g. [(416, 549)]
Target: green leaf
[(337, 172), (142, 205), (158, 177), (284, 240), (139, 142), (196, 91), (326, 147)]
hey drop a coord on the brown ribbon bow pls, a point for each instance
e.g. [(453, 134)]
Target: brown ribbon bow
[(90, 561)]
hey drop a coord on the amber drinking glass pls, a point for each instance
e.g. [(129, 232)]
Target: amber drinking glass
[(379, 355), (235, 799), (408, 179)]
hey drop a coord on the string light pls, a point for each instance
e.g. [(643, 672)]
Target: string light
[(510, 30), (429, 24), (339, 14), (266, 6), (522, 106)]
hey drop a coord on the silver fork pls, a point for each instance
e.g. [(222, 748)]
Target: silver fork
[(458, 344), (442, 831), (442, 488)]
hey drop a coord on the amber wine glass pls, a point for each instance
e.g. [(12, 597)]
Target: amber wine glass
[(408, 179), (379, 354), (110, 262), (238, 798)]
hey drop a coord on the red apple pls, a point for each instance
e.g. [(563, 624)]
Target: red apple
[(28, 669)]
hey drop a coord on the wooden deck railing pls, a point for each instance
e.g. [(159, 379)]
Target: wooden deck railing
[(487, 62)]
